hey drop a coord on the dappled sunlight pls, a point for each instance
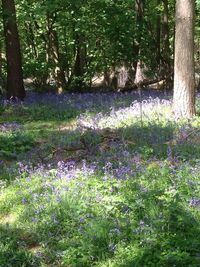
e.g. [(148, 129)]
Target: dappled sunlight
[(100, 133), (8, 219), (144, 111), (104, 185), (101, 209)]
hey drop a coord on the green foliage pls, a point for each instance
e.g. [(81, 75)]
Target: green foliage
[(108, 32), (15, 143), (2, 109), (10, 253)]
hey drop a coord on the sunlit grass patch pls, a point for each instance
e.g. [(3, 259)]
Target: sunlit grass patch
[(8, 219)]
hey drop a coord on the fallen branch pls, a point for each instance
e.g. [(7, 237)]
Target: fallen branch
[(146, 83)]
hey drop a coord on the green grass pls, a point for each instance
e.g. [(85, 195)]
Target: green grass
[(132, 197)]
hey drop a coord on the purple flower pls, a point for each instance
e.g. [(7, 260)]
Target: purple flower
[(24, 201), (124, 209), (33, 219), (195, 203), (141, 223), (98, 198), (82, 220)]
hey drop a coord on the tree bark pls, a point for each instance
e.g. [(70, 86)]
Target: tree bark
[(80, 61), (166, 45), (158, 39), (184, 80), (1, 60), (30, 37), (59, 74), (139, 8), (15, 85)]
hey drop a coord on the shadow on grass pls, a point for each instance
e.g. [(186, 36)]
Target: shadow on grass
[(158, 232), (66, 107), (50, 147), (43, 113), (14, 250), (152, 141), (169, 238)]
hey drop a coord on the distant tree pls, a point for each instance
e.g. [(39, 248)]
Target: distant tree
[(15, 85), (139, 8), (54, 54), (158, 37), (184, 80), (166, 45)]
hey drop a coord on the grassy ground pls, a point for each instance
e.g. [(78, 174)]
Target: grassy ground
[(101, 180)]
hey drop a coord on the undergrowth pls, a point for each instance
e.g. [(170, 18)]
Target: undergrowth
[(90, 181)]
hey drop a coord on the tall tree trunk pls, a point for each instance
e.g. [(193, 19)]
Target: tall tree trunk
[(80, 61), (15, 85), (1, 69), (1, 60), (184, 81), (166, 45), (139, 8), (59, 74), (30, 37), (133, 68), (158, 29)]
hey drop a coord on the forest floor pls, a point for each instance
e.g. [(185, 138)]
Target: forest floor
[(105, 180)]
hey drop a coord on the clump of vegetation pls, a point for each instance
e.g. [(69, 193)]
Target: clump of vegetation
[(15, 143)]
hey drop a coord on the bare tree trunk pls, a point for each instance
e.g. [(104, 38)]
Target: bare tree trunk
[(158, 29), (15, 85), (80, 61), (166, 45), (139, 8), (59, 74), (184, 81), (31, 39), (1, 69), (1, 60)]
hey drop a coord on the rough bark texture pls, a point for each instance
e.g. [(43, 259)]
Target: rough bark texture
[(184, 84), (15, 85)]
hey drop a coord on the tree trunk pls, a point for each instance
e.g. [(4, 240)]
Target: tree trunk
[(15, 85), (59, 74), (184, 81), (166, 45), (1, 60), (139, 8), (80, 61), (30, 36), (158, 28)]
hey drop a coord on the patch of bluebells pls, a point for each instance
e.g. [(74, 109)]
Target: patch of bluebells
[(53, 184), (120, 115), (195, 203), (91, 101), (10, 126), (114, 105), (45, 186), (65, 170)]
